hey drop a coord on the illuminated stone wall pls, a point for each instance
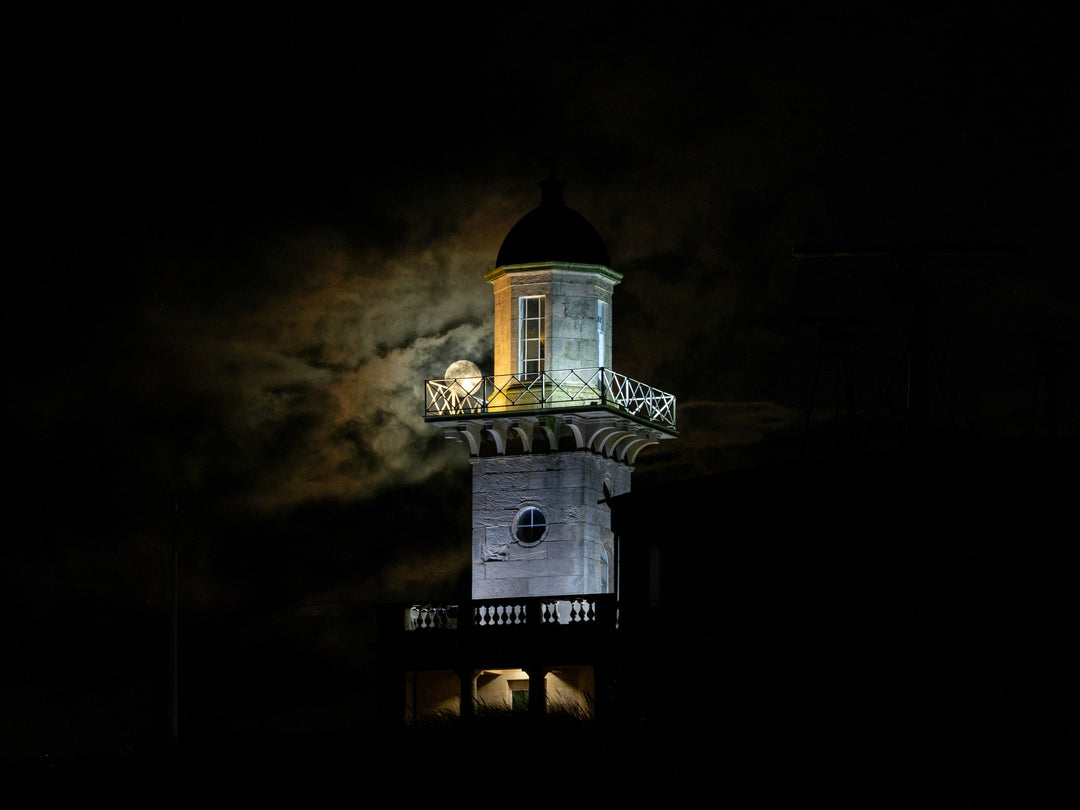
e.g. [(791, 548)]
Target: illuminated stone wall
[(438, 693), (567, 687), (566, 487), (571, 293)]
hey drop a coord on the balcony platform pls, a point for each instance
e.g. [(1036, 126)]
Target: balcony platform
[(596, 409), (547, 392), (492, 633)]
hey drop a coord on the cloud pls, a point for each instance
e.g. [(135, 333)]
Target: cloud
[(716, 436), (308, 367)]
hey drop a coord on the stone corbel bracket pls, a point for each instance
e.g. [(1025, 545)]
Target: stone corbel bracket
[(608, 435)]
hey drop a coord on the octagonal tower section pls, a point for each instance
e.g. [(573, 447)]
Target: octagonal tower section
[(555, 430)]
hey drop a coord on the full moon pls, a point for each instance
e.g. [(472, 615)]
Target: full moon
[(467, 373)]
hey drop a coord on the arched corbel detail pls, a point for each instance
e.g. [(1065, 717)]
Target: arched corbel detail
[(575, 431), (612, 440), (469, 432), (547, 427), (632, 454), (597, 440), (618, 447), (497, 430), (631, 445), (523, 427)]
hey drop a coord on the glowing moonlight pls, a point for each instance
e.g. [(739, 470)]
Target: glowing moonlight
[(467, 374)]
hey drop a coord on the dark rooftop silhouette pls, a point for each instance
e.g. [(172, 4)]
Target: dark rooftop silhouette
[(553, 232)]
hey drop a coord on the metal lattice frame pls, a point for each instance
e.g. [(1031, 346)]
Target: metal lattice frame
[(550, 389)]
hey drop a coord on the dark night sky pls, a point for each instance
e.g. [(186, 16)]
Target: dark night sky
[(243, 242)]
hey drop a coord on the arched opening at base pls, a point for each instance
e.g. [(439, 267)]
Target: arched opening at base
[(436, 695)]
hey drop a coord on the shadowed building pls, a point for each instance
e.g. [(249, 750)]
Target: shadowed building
[(877, 627)]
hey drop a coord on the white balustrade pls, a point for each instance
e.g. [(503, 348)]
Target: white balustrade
[(493, 613)]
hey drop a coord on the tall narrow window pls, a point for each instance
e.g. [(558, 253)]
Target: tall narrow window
[(602, 317), (530, 336)]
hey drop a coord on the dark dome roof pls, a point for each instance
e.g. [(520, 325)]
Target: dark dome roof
[(553, 233)]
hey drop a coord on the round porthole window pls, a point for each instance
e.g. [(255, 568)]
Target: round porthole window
[(530, 525)]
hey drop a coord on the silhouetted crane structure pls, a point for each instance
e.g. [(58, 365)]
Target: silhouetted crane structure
[(836, 352), (913, 289), (1049, 365)]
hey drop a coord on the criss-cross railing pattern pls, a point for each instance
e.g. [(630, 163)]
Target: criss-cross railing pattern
[(549, 389), (639, 399)]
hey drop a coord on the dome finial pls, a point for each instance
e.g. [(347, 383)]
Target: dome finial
[(552, 232), (551, 190)]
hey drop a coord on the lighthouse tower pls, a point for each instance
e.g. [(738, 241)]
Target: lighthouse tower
[(555, 430)]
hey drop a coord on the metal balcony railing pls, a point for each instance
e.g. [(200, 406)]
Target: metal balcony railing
[(549, 389)]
